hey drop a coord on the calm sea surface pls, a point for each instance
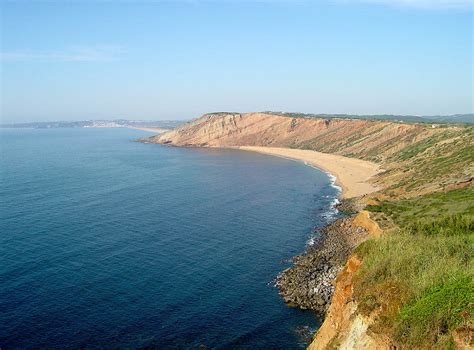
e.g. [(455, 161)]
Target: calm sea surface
[(110, 243)]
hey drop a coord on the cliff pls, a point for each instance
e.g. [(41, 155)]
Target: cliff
[(365, 139)]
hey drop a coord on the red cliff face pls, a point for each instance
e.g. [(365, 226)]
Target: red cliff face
[(344, 327), (365, 139)]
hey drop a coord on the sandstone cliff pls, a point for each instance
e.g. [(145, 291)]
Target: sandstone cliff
[(366, 139)]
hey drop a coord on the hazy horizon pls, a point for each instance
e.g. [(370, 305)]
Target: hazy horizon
[(164, 60), (197, 116)]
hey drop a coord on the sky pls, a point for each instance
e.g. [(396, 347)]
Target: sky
[(162, 60)]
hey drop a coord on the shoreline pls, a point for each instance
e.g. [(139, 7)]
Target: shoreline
[(351, 175), (154, 130), (310, 282)]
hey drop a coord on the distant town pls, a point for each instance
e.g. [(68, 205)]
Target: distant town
[(116, 123)]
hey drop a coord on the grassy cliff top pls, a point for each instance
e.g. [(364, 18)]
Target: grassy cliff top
[(443, 119), (418, 278)]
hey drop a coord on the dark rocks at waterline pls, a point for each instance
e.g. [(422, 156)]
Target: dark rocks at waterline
[(309, 283), (349, 206)]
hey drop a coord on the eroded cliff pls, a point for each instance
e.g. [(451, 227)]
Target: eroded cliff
[(373, 140)]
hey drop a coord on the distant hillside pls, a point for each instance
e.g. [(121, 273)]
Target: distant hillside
[(116, 123), (455, 118)]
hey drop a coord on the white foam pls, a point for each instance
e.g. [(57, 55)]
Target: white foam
[(333, 211), (311, 241), (333, 180)]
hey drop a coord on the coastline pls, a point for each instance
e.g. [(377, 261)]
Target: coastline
[(352, 175), (310, 283), (321, 278)]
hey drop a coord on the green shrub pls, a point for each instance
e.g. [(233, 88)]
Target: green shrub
[(430, 207), (447, 225), (428, 319)]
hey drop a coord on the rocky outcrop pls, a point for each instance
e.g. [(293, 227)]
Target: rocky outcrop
[(308, 284), (363, 219)]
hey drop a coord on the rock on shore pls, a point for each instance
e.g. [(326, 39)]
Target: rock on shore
[(309, 283)]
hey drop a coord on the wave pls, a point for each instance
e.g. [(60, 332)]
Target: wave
[(312, 240), (333, 180), (332, 212)]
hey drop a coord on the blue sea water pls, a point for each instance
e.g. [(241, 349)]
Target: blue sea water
[(108, 243)]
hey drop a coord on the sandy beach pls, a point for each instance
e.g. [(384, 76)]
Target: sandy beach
[(352, 175), (155, 130)]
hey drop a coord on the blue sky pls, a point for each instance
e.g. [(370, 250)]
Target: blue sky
[(75, 60)]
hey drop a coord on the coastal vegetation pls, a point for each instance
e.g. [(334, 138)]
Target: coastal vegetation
[(431, 164), (426, 208), (417, 280), (456, 118)]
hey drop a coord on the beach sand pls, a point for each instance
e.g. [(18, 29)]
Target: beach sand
[(155, 130), (352, 175)]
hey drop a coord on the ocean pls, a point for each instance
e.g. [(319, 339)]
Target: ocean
[(108, 243)]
